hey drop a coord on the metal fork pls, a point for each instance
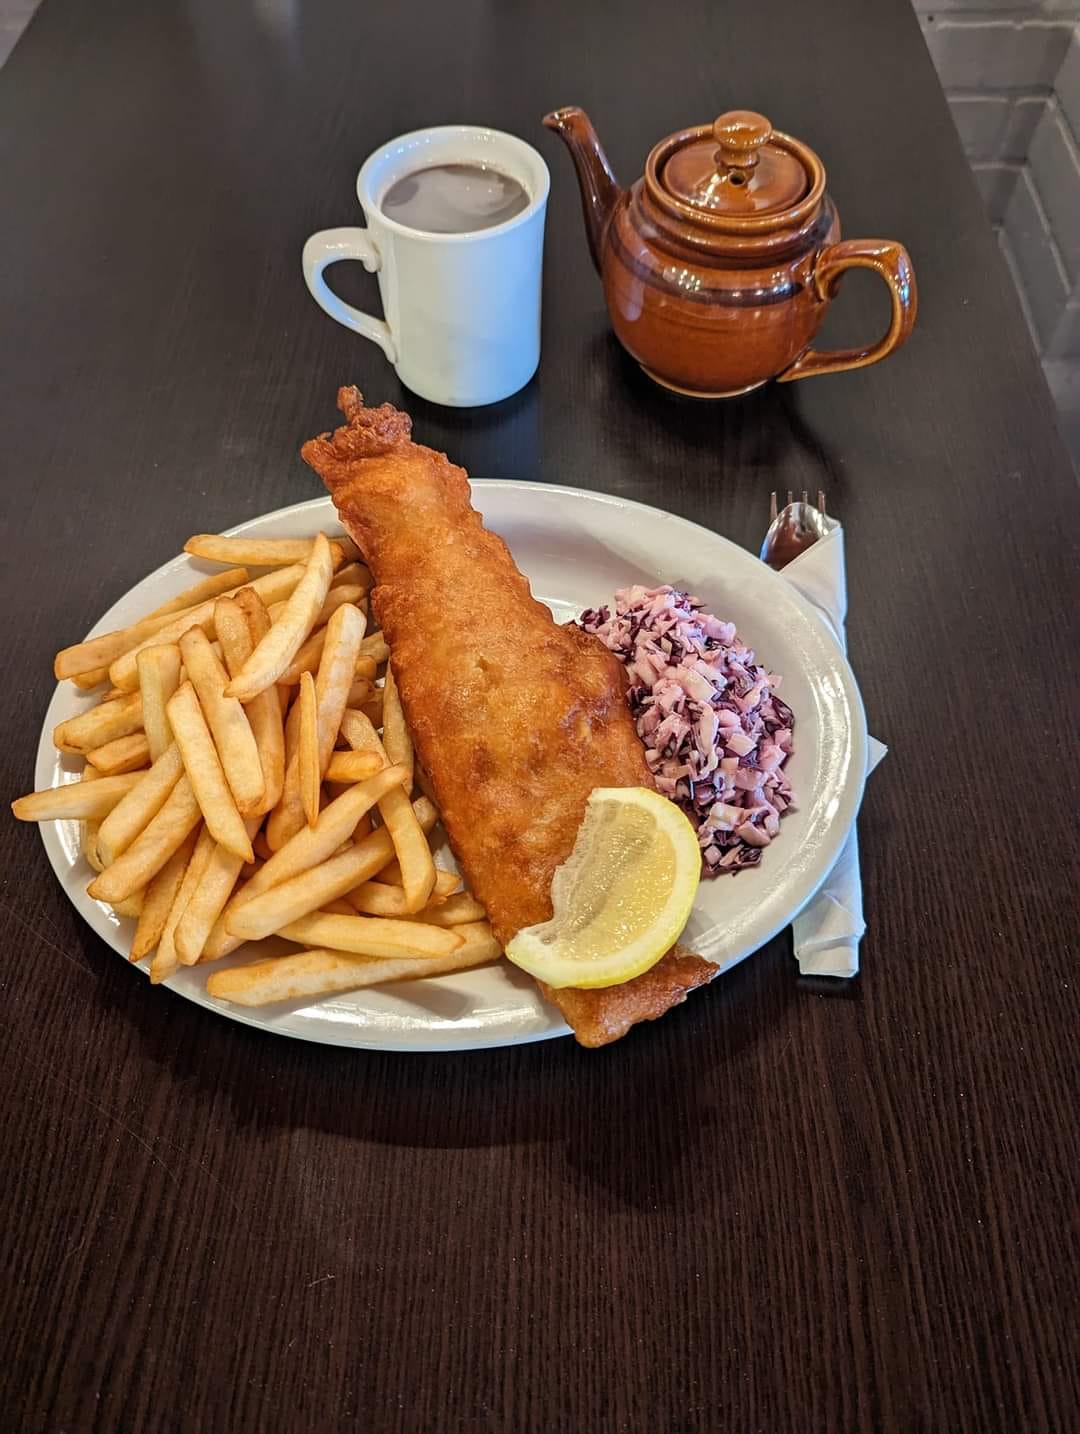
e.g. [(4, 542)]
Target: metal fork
[(796, 527)]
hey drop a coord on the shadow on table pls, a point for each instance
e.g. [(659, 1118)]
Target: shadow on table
[(765, 432), (628, 1118)]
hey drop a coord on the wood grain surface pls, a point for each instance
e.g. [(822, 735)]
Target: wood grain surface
[(784, 1207)]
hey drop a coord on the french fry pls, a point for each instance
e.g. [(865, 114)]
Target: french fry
[(130, 905), (204, 771), (102, 724), (278, 833), (391, 875), (256, 612), (345, 632), (94, 678), (160, 893), (203, 590), (286, 978), (456, 910), (152, 848), (309, 780), (427, 813), (122, 754), (219, 943), (359, 731), (311, 845), (348, 547), (395, 737), (319, 973), (228, 723), (352, 574), (158, 669), (340, 907), (343, 637), (103, 651), (335, 598), (281, 644), (88, 830), (166, 959), (138, 807), (207, 900), (445, 881), (360, 695), (271, 587), (309, 890), (107, 650), (372, 707), (371, 935), (344, 593), (242, 622), (89, 847), (478, 939), (377, 898), (233, 633), (410, 843), (257, 552), (374, 646), (347, 868), (353, 766), (87, 800), (306, 660)]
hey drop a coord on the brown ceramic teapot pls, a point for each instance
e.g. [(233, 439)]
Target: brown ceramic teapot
[(719, 264)]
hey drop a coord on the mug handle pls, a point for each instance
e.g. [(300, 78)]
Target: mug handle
[(329, 247), (892, 262)]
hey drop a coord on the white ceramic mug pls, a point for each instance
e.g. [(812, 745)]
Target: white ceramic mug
[(462, 322)]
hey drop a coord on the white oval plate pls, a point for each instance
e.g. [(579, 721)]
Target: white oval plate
[(575, 548)]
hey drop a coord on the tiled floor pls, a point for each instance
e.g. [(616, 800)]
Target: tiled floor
[(1064, 379)]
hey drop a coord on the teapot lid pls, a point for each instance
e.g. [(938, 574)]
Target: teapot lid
[(738, 172)]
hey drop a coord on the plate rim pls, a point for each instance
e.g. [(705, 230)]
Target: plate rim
[(350, 1037)]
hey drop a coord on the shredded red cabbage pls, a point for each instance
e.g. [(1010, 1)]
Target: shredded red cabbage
[(717, 737)]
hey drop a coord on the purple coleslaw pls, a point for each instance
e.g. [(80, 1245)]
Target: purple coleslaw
[(717, 737)]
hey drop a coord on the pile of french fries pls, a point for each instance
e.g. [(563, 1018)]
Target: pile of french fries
[(237, 788)]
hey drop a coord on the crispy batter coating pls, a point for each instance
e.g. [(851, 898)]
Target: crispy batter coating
[(515, 718)]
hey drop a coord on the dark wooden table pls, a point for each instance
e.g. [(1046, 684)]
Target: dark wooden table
[(780, 1208)]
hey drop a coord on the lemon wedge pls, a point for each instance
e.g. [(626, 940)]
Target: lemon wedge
[(621, 898)]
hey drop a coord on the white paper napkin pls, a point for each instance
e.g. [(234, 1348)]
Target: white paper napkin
[(828, 931)]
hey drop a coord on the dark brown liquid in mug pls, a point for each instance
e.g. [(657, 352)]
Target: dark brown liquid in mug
[(454, 199)]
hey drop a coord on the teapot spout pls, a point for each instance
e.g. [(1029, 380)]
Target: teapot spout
[(599, 191)]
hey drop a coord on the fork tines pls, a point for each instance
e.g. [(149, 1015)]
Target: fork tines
[(791, 499)]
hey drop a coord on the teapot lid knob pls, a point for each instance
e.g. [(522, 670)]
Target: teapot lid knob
[(740, 134), (737, 170)]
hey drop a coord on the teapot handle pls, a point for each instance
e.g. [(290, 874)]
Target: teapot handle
[(892, 262)]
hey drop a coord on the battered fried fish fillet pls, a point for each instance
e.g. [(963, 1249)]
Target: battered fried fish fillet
[(515, 718)]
